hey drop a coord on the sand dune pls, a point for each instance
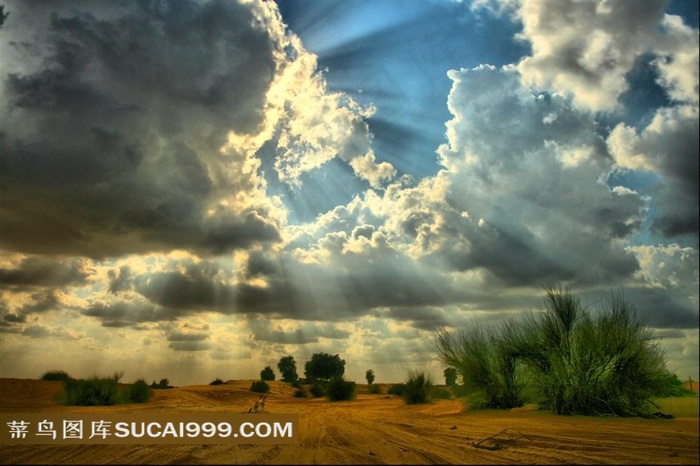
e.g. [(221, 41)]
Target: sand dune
[(372, 429)]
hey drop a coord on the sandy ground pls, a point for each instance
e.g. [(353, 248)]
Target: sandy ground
[(372, 429)]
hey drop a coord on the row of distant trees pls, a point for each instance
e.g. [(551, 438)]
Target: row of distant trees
[(321, 367)]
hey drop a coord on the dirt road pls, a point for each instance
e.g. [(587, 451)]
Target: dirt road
[(372, 429)]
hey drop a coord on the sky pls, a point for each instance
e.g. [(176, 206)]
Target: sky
[(193, 190)]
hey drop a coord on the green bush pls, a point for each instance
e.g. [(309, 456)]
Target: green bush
[(60, 376), (93, 392), (260, 386), (318, 390), (296, 384), (138, 392), (567, 359), (396, 389), (216, 381), (374, 389), (672, 386), (301, 393), (340, 390), (417, 389)]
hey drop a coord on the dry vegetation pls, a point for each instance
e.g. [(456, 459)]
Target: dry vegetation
[(373, 429)]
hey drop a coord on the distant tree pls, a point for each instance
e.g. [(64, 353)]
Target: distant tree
[(369, 375), (323, 366), (450, 377), (288, 369), (267, 374)]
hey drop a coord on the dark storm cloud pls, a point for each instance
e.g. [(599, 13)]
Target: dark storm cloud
[(421, 318), (110, 124), (197, 289), (120, 280), (127, 314), (39, 302), (188, 341), (657, 308), (180, 336), (678, 200), (45, 272), (259, 265), (307, 333)]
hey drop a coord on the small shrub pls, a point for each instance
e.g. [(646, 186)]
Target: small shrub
[(318, 391), (374, 389), (417, 389), (60, 376), (138, 392), (340, 390), (396, 389), (216, 381), (301, 393), (260, 386), (441, 393)]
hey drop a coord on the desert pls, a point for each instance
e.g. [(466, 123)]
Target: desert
[(371, 429)]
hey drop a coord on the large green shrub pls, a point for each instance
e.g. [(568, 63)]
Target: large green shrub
[(488, 362), (567, 359)]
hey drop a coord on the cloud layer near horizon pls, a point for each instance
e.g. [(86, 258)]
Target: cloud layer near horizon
[(137, 145)]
